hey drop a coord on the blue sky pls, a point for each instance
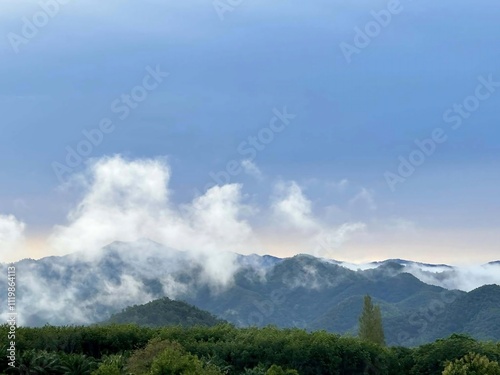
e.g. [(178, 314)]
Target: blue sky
[(226, 77)]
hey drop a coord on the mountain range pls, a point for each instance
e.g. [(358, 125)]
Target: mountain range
[(420, 302)]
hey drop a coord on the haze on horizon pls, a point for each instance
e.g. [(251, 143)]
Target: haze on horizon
[(254, 130)]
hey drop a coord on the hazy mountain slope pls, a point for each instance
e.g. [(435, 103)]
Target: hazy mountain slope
[(476, 313)]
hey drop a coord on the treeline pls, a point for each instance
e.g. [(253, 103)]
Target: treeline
[(224, 349)]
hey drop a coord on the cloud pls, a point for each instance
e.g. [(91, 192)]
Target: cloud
[(129, 200), (329, 241), (294, 210), (292, 207), (250, 168), (464, 278), (11, 236), (340, 186), (366, 198)]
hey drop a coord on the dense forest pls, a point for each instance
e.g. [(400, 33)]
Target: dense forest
[(224, 349)]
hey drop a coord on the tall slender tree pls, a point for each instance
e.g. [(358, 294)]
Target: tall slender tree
[(370, 323)]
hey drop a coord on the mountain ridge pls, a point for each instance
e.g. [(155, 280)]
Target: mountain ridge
[(300, 291)]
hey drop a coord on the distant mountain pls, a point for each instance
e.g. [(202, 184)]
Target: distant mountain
[(301, 291), (165, 312)]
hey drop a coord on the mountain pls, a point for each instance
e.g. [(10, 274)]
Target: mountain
[(476, 313), (419, 301), (164, 312)]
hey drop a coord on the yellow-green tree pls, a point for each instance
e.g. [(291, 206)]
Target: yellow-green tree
[(176, 361), (472, 363), (370, 323)]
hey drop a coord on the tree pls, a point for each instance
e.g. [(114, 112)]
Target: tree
[(277, 370), (174, 360), (141, 360), (111, 365), (370, 323), (78, 364), (472, 363), (107, 369)]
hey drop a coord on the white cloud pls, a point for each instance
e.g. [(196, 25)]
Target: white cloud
[(329, 241), (251, 169), (364, 197), (464, 278), (11, 237), (129, 200), (293, 208)]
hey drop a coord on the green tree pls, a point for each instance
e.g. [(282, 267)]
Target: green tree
[(370, 323), (277, 370), (39, 363), (141, 360), (472, 364), (78, 364), (174, 360), (107, 369), (111, 365)]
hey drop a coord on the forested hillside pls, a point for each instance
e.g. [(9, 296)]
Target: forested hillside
[(164, 312)]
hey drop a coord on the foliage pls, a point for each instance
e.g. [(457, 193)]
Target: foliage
[(78, 364), (277, 370), (107, 369), (225, 349), (141, 360), (431, 359), (257, 370), (112, 365), (370, 323), (93, 341), (175, 361), (472, 364), (39, 363)]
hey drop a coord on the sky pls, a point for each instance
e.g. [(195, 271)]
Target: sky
[(354, 131)]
